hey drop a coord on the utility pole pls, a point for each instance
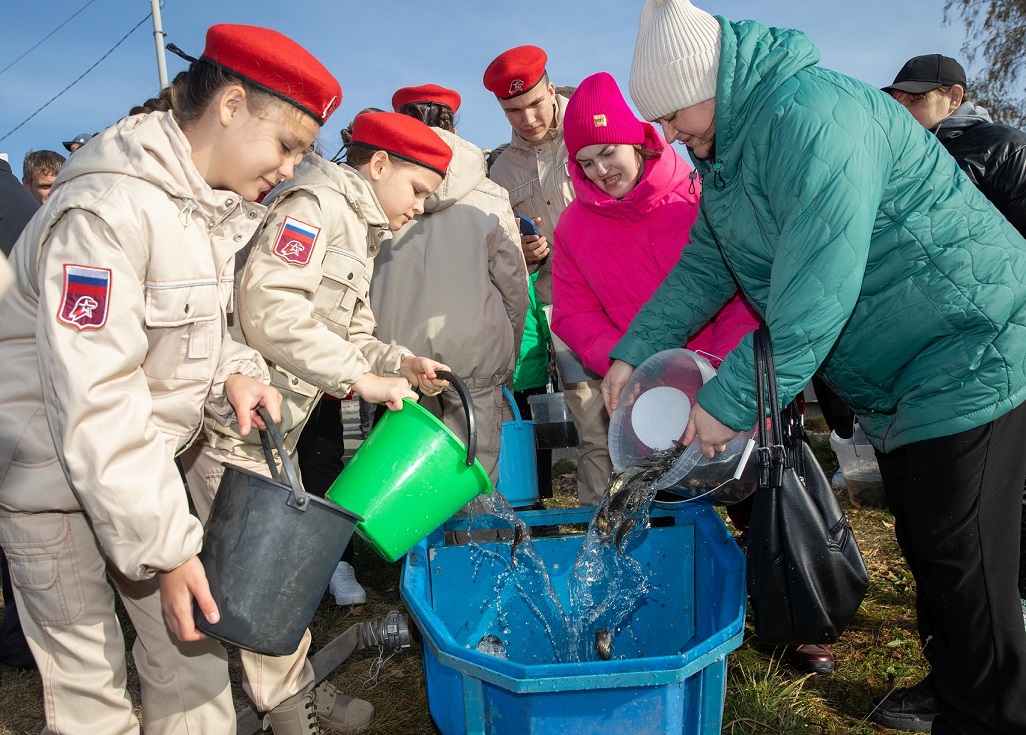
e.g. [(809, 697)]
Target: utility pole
[(158, 38)]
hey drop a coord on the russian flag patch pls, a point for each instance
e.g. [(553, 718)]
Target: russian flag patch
[(295, 241), (85, 297)]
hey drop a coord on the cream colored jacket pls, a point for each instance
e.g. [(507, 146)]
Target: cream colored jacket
[(538, 181), (307, 311), (452, 285), (126, 393)]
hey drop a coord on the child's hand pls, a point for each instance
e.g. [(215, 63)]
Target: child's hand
[(420, 372), (390, 391), (178, 587), (245, 394)]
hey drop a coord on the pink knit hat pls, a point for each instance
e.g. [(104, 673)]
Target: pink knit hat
[(597, 113)]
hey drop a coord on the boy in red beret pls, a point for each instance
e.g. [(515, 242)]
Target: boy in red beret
[(533, 169)]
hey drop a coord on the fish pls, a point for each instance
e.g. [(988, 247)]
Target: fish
[(518, 538), (604, 644), (628, 493)]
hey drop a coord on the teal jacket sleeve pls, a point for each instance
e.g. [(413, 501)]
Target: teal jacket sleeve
[(823, 186)]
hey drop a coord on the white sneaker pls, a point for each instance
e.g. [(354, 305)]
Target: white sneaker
[(837, 481), (344, 586)]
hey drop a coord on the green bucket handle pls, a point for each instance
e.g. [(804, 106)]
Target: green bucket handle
[(299, 499), (518, 420), (468, 409)]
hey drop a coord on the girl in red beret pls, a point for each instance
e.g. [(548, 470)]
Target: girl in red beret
[(114, 343), (303, 303)]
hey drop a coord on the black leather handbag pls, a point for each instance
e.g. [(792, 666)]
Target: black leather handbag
[(805, 575)]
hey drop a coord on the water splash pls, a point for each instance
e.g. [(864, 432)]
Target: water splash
[(606, 584)]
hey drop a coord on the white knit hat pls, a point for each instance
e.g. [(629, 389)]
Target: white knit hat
[(676, 58)]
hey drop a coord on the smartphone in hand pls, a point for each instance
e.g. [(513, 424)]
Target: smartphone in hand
[(527, 226)]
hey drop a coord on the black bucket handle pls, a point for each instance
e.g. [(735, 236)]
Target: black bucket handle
[(299, 499), (468, 409)]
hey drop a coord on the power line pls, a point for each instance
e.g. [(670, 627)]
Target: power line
[(47, 36), (48, 102)]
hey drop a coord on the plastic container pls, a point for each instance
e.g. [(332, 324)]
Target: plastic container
[(410, 474), (857, 460), (553, 425), (653, 413), (518, 459), (676, 643), (269, 551)]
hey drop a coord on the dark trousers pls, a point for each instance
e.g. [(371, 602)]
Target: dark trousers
[(320, 447), (544, 455), (957, 505), (14, 650)]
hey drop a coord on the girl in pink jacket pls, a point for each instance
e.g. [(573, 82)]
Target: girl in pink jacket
[(635, 204)]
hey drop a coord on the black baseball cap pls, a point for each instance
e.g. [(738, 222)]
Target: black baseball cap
[(923, 74)]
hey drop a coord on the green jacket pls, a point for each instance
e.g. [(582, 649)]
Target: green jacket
[(532, 369), (853, 233)]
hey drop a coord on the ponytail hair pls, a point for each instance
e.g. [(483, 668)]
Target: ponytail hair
[(355, 155), (433, 114)]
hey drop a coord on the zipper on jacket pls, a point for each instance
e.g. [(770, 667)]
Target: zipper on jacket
[(693, 176)]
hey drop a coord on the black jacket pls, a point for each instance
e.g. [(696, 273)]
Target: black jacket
[(17, 206), (994, 158)]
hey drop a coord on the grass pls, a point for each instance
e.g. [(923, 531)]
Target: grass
[(764, 694)]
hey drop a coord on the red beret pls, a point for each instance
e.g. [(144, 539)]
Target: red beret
[(402, 136), (426, 93), (276, 64), (515, 71)]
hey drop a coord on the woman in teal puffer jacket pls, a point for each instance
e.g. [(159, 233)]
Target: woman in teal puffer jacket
[(875, 261)]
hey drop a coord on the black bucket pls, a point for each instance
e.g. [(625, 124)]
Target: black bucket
[(269, 552)]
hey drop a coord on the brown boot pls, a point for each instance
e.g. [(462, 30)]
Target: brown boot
[(298, 718), (339, 713)]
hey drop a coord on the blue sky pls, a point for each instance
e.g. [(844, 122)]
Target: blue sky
[(377, 46)]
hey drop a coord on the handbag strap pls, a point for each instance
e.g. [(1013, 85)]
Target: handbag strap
[(772, 457)]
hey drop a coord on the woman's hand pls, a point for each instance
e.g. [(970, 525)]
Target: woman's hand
[(245, 394), (390, 391), (711, 434), (420, 373), (613, 383), (177, 590)]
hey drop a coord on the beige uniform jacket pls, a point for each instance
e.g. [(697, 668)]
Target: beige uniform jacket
[(304, 298), (124, 370), (538, 181), (452, 284)]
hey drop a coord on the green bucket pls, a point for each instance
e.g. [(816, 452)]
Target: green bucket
[(410, 475)]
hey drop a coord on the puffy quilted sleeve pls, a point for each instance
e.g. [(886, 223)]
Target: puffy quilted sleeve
[(822, 166)]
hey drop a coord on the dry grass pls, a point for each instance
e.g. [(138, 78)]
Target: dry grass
[(879, 650)]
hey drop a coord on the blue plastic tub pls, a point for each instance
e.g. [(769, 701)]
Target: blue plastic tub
[(676, 642), (518, 459)]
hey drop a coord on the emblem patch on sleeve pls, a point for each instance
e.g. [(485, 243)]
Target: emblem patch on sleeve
[(85, 297), (295, 241)]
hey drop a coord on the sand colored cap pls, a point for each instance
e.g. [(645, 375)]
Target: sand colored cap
[(402, 136), (598, 113), (430, 93), (276, 64), (514, 72), (676, 58)]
